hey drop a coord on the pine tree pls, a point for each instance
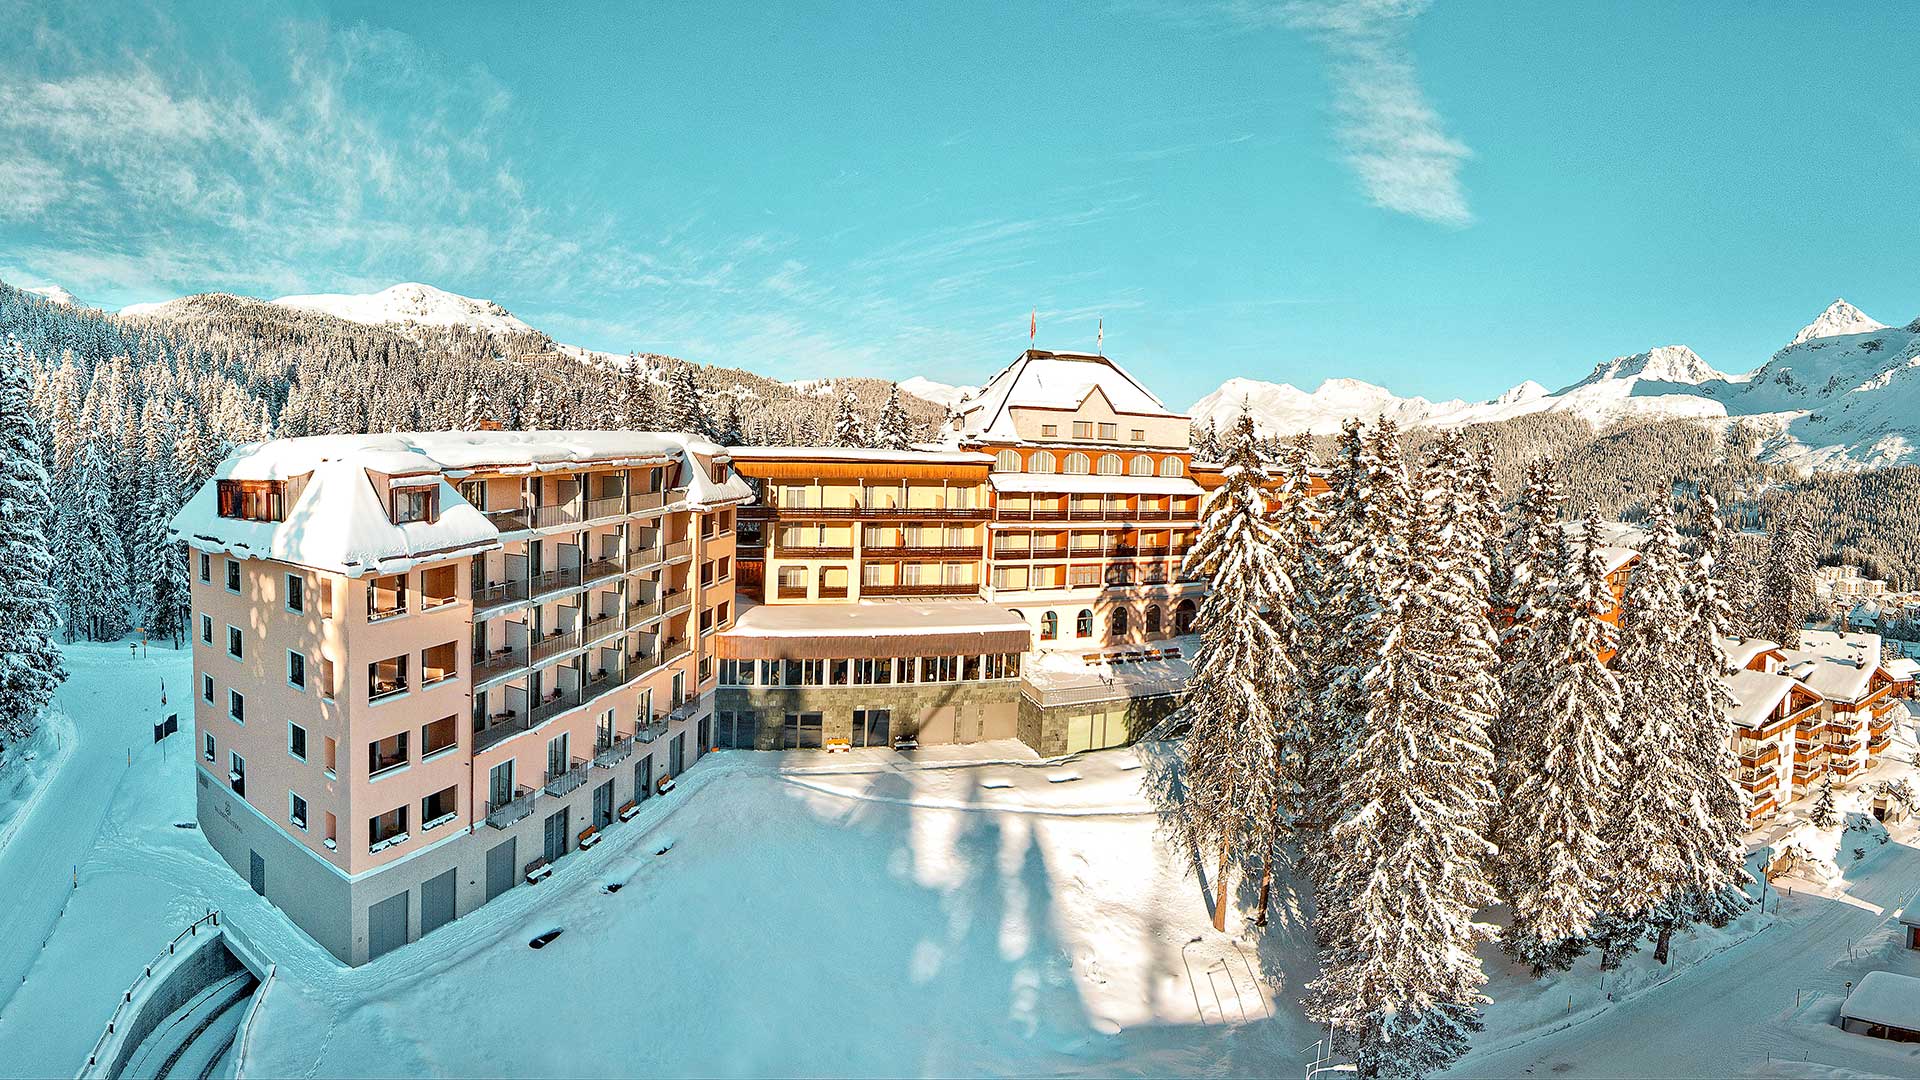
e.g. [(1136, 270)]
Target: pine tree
[(30, 665), (847, 429), (1241, 674), (1399, 983), (1786, 580), (1551, 846), (1648, 829), (893, 431), (89, 556), (1717, 860), (1824, 815), (1295, 524), (684, 411)]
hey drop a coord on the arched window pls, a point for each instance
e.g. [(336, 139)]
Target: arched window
[(1041, 462), (1083, 623), (1049, 626), (1109, 465), (1077, 464), (1183, 617), (1006, 461), (1141, 465), (1153, 619), (1171, 467), (1119, 623)]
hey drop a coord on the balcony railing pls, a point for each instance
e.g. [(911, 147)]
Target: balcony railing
[(600, 626), (610, 750), (498, 592), (517, 808), (655, 727), (675, 649), (553, 705), (923, 552), (679, 549), (965, 589), (791, 592), (646, 500), (639, 663), (546, 517), (487, 664), (516, 519), (833, 592), (600, 570), (548, 647), (687, 707), (566, 577), (615, 506), (803, 551), (644, 555), (499, 726), (859, 510), (562, 782), (641, 611), (675, 602)]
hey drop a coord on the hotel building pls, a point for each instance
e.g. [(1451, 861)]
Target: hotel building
[(428, 665)]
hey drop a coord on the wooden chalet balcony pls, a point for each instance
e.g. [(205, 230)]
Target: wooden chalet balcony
[(918, 513), (1762, 756), (920, 590), (833, 592), (791, 592), (805, 551)]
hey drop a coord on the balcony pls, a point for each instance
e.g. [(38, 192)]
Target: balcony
[(553, 705), (688, 706), (676, 602), (639, 663), (641, 611), (517, 519), (486, 665), (833, 592), (546, 517), (549, 647), (645, 501), (615, 506), (791, 592), (552, 581), (645, 556), (601, 570), (908, 513), (501, 726), (676, 647), (499, 592), (948, 552), (562, 782), (600, 626), (654, 728), (679, 549), (610, 751), (801, 551), (967, 589), (502, 814)]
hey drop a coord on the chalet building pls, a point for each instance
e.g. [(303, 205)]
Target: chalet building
[(1804, 716), (1021, 580), (428, 665)]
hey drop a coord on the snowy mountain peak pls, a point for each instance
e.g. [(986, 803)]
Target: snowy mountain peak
[(56, 294), (1840, 319), (411, 303), (1282, 409), (1525, 392), (1667, 363), (945, 394)]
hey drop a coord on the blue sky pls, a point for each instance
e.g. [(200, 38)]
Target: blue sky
[(1443, 198)]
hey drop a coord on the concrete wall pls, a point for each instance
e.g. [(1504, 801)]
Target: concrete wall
[(197, 962)]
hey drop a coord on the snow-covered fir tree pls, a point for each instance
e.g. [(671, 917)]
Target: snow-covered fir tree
[(1295, 523), (1649, 830), (893, 432), (30, 665), (684, 410), (1718, 858), (1526, 579), (1230, 756), (1824, 814), (847, 429), (1567, 766), (1786, 580), (89, 556), (1399, 983)]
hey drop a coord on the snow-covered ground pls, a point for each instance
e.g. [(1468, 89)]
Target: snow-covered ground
[(966, 910)]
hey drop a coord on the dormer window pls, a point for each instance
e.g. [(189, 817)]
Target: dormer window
[(717, 472), (253, 500), (416, 504)]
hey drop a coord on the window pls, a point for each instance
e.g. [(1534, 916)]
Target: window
[(296, 670), (297, 741), (253, 500), (237, 773), (1083, 623), (438, 808), (871, 727), (873, 672), (1153, 618), (1171, 467), (206, 750), (1006, 461), (1109, 465), (387, 753), (1119, 622), (437, 664), (475, 494), (206, 629), (1049, 431), (233, 575), (437, 587), (237, 706), (206, 569), (387, 678), (1083, 429), (906, 669), (942, 668), (412, 504), (297, 811), (801, 731), (1049, 626), (1139, 435), (206, 688), (1076, 464), (388, 828), (386, 597), (1082, 575), (233, 642), (1041, 462), (296, 594), (1108, 432), (1141, 465), (439, 735)]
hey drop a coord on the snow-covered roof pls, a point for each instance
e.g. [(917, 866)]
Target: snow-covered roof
[(1885, 997), (871, 617), (1092, 483), (1755, 695), (1740, 652), (337, 522), (851, 453), (1049, 380), (1902, 668), (1063, 676), (1835, 665)]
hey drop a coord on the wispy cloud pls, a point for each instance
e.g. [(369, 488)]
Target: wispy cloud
[(1392, 138)]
